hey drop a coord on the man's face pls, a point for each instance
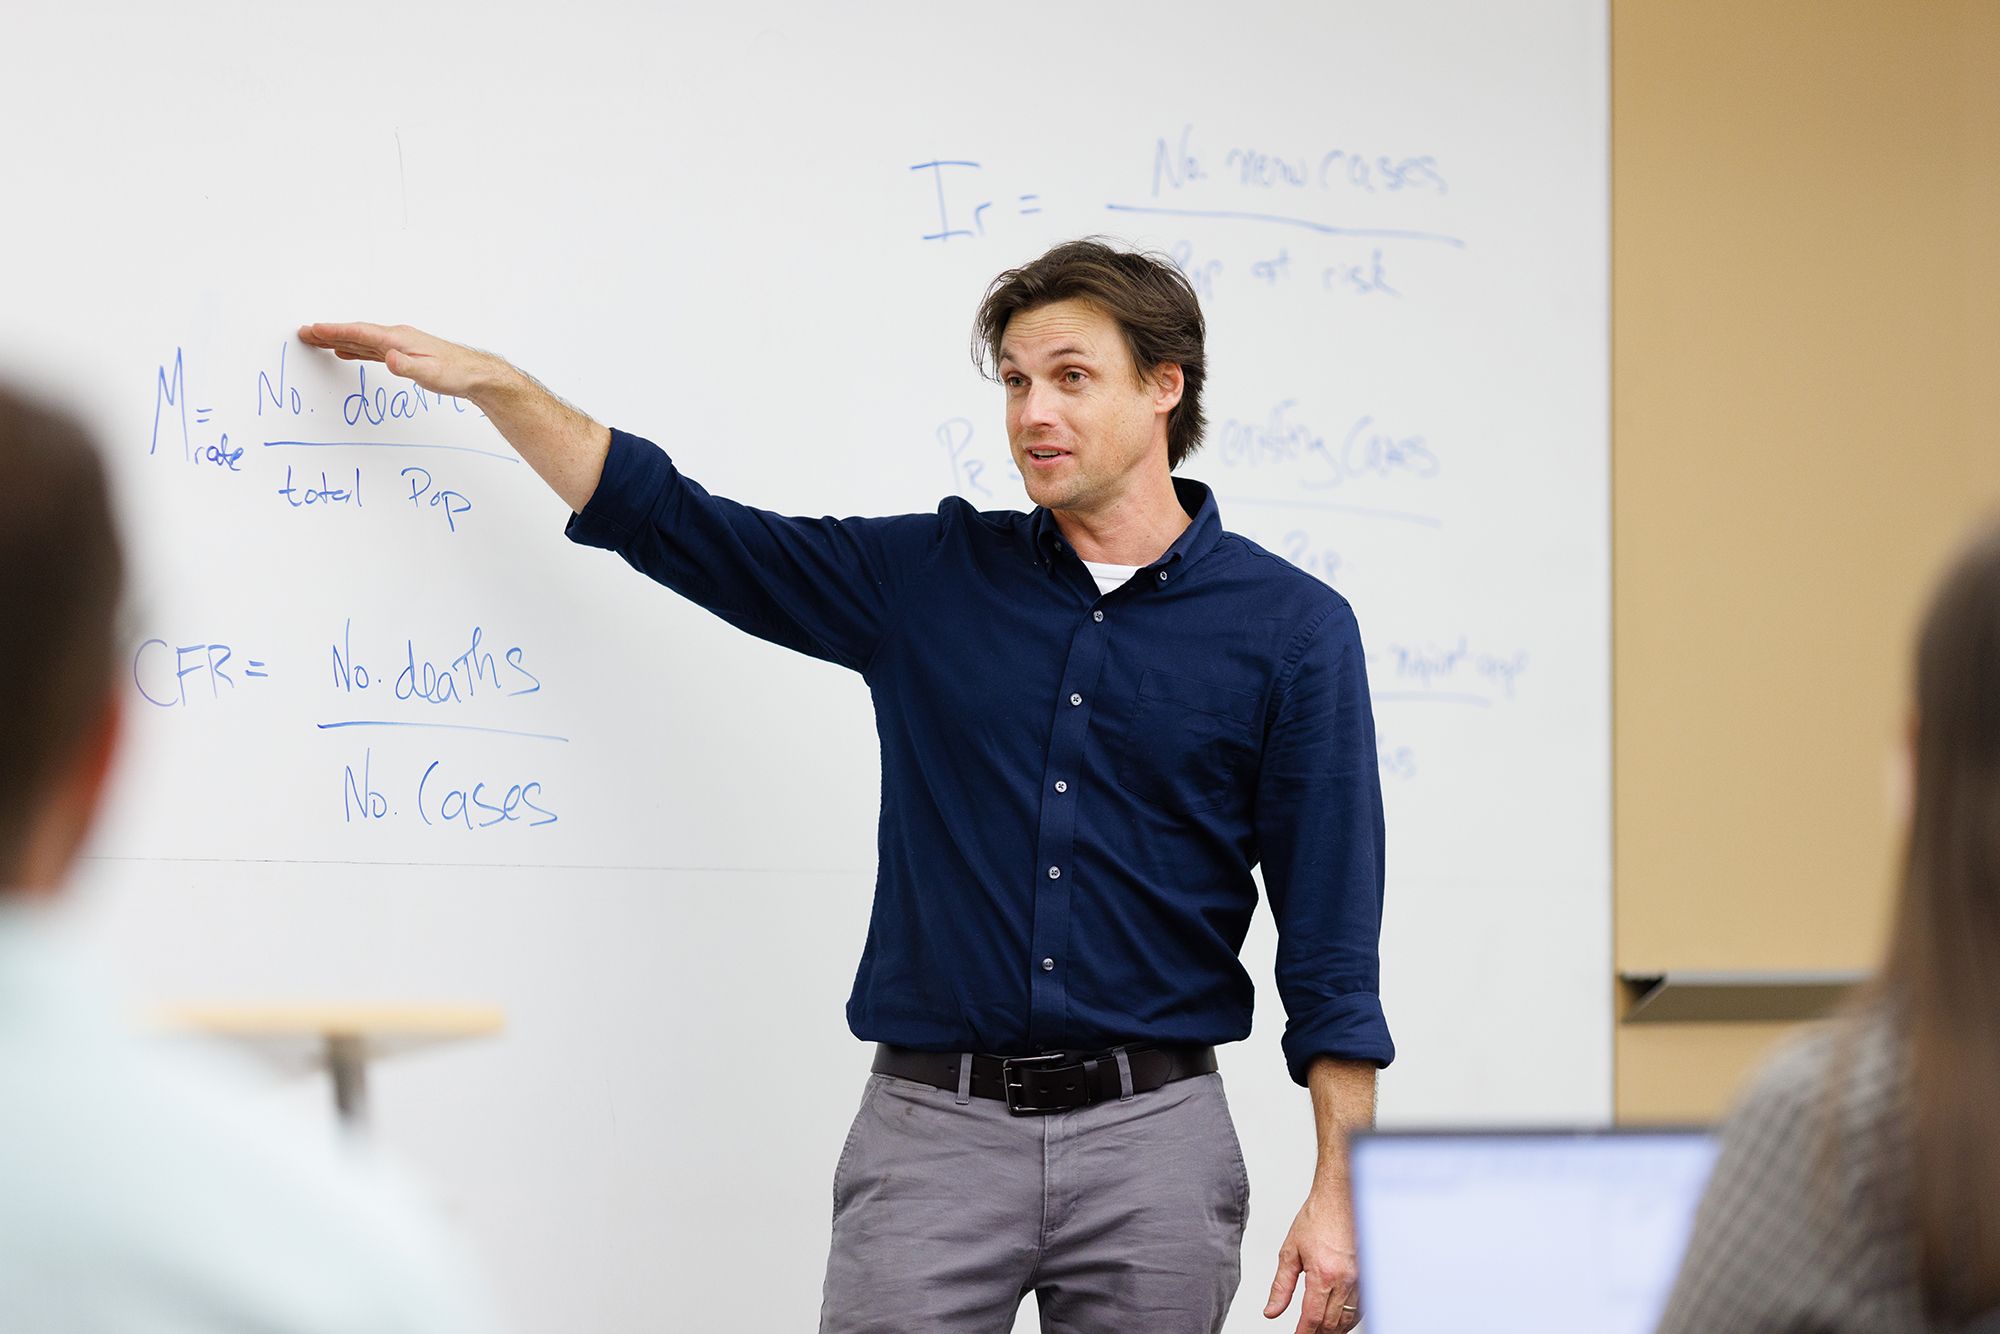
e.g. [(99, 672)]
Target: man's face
[(1083, 425)]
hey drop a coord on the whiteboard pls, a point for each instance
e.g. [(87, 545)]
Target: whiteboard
[(394, 738)]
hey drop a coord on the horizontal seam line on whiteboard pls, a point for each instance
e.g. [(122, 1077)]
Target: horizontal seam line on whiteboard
[(479, 866)]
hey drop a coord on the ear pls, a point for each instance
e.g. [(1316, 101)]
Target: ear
[(1900, 779), (69, 808), (101, 750), (1167, 384)]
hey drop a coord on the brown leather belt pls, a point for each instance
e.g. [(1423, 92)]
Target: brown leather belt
[(1052, 1082)]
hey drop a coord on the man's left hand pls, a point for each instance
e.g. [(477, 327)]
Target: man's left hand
[(1320, 1246)]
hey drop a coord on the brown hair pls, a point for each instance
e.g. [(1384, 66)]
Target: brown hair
[(1151, 300), (59, 593), (1941, 978)]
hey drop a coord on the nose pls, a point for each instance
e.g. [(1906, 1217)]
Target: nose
[(1037, 407)]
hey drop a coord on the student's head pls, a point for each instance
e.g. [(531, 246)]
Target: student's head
[(1954, 844), (1101, 352), (60, 579), (1943, 969)]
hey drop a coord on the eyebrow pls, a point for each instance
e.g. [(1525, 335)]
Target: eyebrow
[(1055, 354)]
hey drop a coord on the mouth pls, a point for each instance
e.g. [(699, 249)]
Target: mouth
[(1041, 457)]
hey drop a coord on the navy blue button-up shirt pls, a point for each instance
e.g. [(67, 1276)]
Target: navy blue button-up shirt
[(1075, 787)]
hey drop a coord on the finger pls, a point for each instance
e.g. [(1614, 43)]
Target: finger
[(354, 340), (1342, 1312), (319, 335), (404, 363), (363, 352), (327, 335), (1284, 1284), (1312, 1306), (1326, 1296)]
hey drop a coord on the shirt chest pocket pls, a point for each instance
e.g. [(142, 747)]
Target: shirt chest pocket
[(1189, 743)]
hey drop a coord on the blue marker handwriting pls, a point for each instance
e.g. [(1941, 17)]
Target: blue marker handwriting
[(974, 476), (1366, 450), (170, 391), (375, 406), (442, 801), (1397, 763), (501, 673), (1315, 558), (1371, 450), (1273, 270), (955, 437), (451, 504), (1343, 277), (1177, 164), (280, 396), (1369, 279), (359, 796), (326, 494), (1291, 191), (384, 404), (202, 441), (480, 805), (161, 671), (1453, 672), (1200, 273), (966, 201)]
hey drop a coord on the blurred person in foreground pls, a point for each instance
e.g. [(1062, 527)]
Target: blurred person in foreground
[(1858, 1186), (143, 1186)]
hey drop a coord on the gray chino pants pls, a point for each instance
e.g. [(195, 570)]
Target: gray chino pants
[(1123, 1216)]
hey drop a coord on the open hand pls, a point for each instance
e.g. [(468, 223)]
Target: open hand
[(1320, 1246), (441, 367)]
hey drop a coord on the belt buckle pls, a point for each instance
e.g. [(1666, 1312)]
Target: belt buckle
[(1014, 1088)]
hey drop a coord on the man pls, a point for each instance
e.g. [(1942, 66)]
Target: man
[(142, 1187), (1095, 720)]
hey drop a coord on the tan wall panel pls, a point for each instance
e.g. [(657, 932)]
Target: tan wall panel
[(1803, 334), (1980, 77), (1688, 1074)]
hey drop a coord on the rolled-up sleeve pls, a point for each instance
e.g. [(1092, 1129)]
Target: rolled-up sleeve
[(825, 587), (1320, 835)]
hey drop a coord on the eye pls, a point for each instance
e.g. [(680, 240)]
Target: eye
[(1073, 376), (1013, 380)]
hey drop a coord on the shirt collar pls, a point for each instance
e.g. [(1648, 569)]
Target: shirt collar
[(1195, 541)]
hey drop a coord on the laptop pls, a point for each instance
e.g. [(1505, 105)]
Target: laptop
[(1541, 1232)]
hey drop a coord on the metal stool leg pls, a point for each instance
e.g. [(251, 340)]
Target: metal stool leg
[(346, 1061)]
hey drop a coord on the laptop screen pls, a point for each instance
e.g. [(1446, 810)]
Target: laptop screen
[(1534, 1232)]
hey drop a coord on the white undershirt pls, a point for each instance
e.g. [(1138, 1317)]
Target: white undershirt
[(1109, 577)]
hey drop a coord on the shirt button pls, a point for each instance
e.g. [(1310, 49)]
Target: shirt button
[(1163, 576), (1097, 616), (1055, 873), (1076, 699), (1048, 965), (1061, 786)]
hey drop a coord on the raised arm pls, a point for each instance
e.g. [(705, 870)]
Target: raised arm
[(822, 586), (563, 445)]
